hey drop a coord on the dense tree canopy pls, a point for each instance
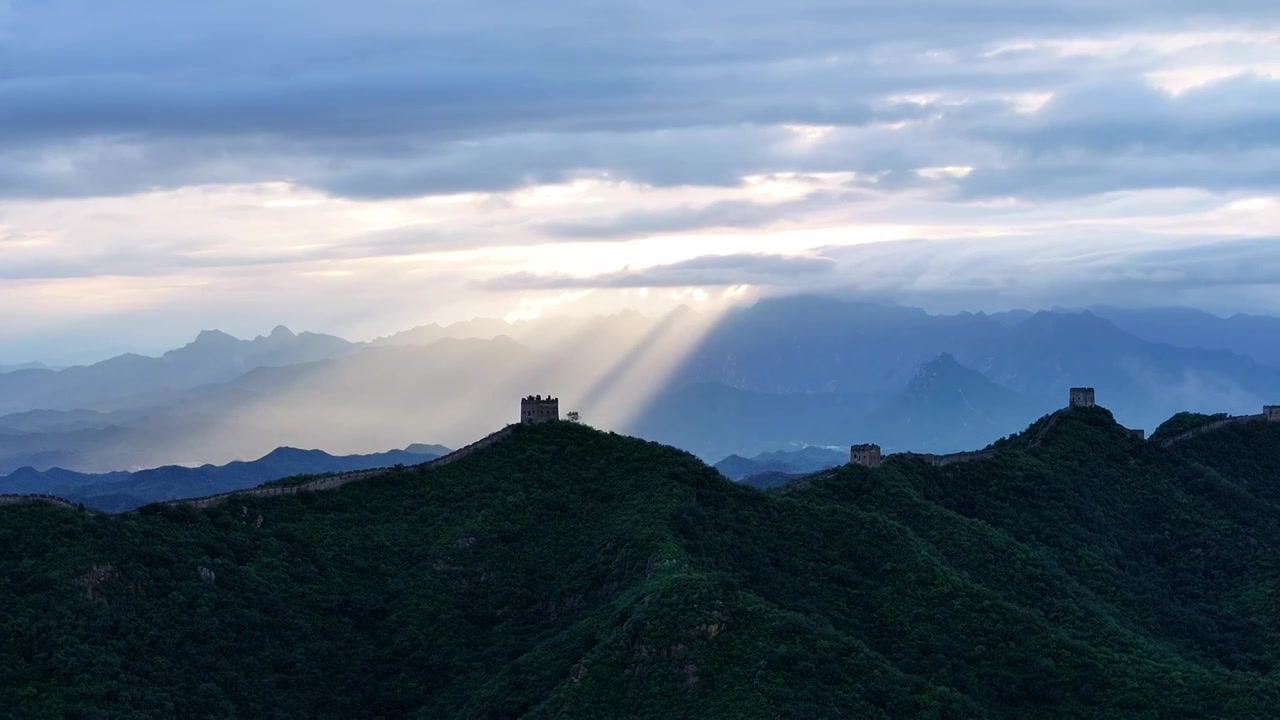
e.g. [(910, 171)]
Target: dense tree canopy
[(571, 573)]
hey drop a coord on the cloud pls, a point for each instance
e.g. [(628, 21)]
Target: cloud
[(705, 271), (738, 214), (396, 100), (1124, 269), (1120, 134), (504, 153)]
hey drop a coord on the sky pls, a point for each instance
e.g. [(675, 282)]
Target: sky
[(361, 168)]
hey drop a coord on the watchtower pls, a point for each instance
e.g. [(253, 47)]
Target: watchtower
[(1271, 413), (536, 409), (866, 455), (1082, 397)]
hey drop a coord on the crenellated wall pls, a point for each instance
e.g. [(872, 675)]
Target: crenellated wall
[(334, 482), (1210, 427), (944, 460)]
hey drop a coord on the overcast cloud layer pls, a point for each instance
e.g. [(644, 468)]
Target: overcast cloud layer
[(361, 167)]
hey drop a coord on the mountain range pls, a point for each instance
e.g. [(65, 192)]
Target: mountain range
[(137, 381), (779, 374), (567, 572), (120, 491), (804, 461), (1255, 336)]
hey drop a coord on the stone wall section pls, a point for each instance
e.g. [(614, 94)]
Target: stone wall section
[(1210, 427), (950, 459), (336, 481), (34, 499)]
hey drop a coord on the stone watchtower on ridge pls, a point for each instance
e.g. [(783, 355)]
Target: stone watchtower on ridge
[(865, 455), (1271, 413), (1082, 397), (536, 409)]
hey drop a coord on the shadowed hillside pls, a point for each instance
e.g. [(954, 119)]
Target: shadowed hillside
[(565, 572)]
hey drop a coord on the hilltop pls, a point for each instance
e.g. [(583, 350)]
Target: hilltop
[(1078, 572)]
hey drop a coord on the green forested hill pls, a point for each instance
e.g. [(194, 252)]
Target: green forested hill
[(571, 573)]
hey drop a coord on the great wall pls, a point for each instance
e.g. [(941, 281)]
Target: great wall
[(36, 499), (333, 482), (869, 455), (1270, 413), (535, 409)]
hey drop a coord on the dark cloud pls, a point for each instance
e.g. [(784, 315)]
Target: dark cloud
[(396, 99), (706, 271), (1236, 113)]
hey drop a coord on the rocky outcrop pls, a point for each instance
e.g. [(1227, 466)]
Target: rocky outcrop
[(94, 580)]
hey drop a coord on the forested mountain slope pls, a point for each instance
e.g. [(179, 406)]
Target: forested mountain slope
[(570, 573)]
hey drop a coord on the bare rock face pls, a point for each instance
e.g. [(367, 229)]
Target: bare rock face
[(93, 581), (207, 575)]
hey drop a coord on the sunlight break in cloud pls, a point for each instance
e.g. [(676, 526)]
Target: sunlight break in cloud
[(532, 308)]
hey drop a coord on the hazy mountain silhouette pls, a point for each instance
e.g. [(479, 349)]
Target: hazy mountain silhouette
[(1256, 336), (782, 462), (812, 344), (783, 373), (118, 491), (944, 408), (136, 380), (452, 391), (947, 406), (23, 366)]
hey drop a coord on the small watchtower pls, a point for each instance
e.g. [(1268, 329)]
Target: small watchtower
[(866, 455), (1082, 397), (536, 409), (1271, 413)]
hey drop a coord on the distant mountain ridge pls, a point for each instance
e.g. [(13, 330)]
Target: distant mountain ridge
[(376, 398), (24, 366), (1256, 336), (955, 404), (784, 462), (799, 370), (119, 491), (137, 380), (945, 407), (817, 344)]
